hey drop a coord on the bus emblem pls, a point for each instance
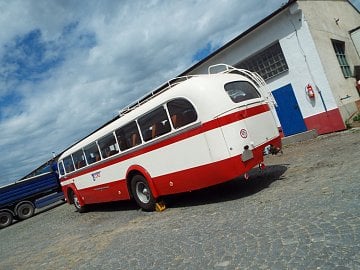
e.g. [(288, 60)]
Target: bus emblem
[(243, 133), (95, 175)]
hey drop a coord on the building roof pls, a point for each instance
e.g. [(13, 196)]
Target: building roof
[(231, 42)]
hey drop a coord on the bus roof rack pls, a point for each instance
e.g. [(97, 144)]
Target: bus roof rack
[(253, 76), (222, 68), (168, 85)]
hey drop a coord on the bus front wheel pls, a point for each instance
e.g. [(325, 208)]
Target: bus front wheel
[(75, 201), (142, 193)]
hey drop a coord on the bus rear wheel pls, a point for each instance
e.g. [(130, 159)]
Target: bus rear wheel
[(142, 193), (6, 219), (25, 210)]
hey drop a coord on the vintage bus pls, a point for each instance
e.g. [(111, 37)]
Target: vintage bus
[(192, 133)]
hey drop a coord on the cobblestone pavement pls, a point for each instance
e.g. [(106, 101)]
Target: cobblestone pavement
[(302, 212)]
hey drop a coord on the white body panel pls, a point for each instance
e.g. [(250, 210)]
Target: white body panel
[(213, 138)]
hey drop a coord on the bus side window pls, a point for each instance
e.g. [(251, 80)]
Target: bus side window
[(182, 112), (79, 159), (68, 163), (61, 168), (92, 153), (154, 124), (128, 136), (135, 139), (108, 146)]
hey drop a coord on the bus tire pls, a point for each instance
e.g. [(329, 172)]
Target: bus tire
[(6, 218), (142, 193), (75, 201), (25, 210)]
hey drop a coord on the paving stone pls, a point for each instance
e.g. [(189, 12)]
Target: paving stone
[(302, 212)]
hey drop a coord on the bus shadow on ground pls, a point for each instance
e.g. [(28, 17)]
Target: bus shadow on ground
[(233, 190), (113, 206)]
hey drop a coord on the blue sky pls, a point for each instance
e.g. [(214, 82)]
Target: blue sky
[(67, 67)]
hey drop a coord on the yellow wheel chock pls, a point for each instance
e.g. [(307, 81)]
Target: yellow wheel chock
[(160, 206)]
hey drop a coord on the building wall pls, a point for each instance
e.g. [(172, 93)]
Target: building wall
[(335, 21), (307, 60)]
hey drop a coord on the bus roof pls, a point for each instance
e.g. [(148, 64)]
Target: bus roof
[(200, 85)]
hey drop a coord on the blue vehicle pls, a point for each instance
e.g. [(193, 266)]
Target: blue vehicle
[(36, 190)]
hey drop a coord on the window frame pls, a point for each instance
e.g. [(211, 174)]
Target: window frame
[(101, 140), (129, 142), (268, 62), (184, 120), (88, 147), (72, 163), (61, 168), (339, 49), (77, 161), (150, 122), (134, 127), (247, 84)]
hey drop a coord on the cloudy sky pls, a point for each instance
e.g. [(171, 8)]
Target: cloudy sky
[(67, 67)]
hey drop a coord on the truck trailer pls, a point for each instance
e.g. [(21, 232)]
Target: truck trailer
[(19, 200)]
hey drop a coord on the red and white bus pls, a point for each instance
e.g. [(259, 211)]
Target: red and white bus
[(196, 132)]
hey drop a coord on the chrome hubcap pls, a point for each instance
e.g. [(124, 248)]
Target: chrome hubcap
[(142, 192), (76, 202)]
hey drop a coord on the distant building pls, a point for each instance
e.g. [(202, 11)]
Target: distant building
[(304, 44)]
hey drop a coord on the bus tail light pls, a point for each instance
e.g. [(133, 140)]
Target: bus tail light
[(262, 166)]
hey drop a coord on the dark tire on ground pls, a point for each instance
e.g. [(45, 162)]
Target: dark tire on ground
[(6, 219), (25, 210), (75, 201), (142, 193)]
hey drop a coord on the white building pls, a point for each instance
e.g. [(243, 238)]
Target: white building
[(304, 43)]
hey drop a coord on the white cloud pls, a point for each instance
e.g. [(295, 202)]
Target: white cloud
[(107, 54)]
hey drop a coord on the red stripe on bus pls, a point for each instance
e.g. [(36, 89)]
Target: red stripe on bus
[(209, 174), (182, 181), (210, 125)]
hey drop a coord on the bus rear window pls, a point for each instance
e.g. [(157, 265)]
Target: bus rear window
[(241, 90)]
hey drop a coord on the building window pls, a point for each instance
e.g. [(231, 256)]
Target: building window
[(268, 63), (339, 47)]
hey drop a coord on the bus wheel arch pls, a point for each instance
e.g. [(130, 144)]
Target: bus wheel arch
[(142, 188), (142, 193), (74, 199), (69, 195)]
